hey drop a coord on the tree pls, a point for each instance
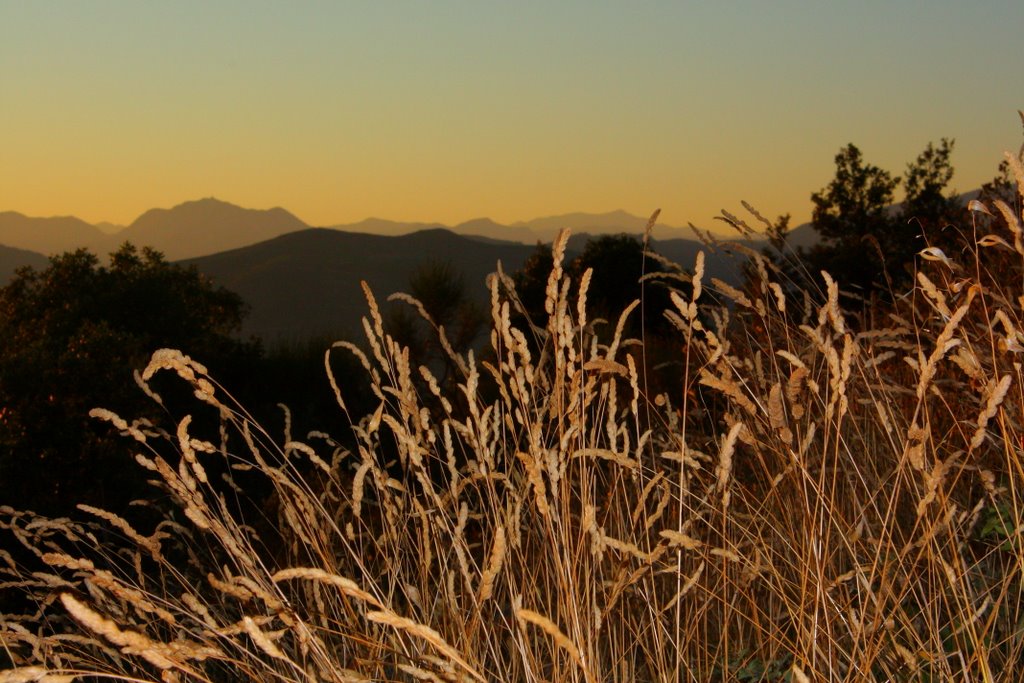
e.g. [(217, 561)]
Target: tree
[(70, 337), (855, 204), (1003, 187), (864, 235), (925, 181), (619, 261), (778, 232), (927, 209), (852, 216), (531, 282), (778, 251), (443, 293)]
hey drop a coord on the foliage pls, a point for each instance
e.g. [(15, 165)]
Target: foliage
[(445, 316), (531, 282), (867, 241), (1002, 187), (70, 336), (619, 263), (293, 387), (924, 185), (854, 205), (852, 216), (778, 231)]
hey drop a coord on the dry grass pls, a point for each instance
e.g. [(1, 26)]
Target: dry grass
[(818, 500)]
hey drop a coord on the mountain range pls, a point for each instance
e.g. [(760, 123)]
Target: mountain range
[(301, 281), (190, 229), (206, 226)]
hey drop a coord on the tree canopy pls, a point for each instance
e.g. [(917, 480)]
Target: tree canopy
[(70, 337), (619, 262), (445, 297), (868, 241)]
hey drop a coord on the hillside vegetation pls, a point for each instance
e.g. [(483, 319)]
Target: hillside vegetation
[(822, 499), (832, 490)]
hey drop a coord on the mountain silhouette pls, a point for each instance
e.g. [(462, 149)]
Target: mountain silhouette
[(547, 228), (306, 283), (49, 236), (11, 259), (595, 223), (381, 226), (206, 226), (543, 229), (302, 282), (488, 229), (209, 226)]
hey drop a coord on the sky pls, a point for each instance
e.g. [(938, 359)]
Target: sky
[(448, 111)]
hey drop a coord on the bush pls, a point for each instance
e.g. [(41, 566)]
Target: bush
[(70, 336)]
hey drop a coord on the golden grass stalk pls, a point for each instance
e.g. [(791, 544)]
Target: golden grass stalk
[(425, 633), (549, 627)]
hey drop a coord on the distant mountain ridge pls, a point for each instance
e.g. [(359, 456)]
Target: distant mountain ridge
[(595, 223), (207, 226), (543, 229), (307, 283), (187, 230), (49, 236)]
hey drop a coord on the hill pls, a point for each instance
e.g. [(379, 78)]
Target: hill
[(380, 226), (187, 230), (50, 236), (206, 226), (485, 228), (303, 281), (209, 226), (525, 232), (11, 259), (547, 228), (306, 283)]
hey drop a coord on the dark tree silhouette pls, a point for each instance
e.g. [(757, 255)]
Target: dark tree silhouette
[(931, 213), (868, 243), (70, 337), (1002, 187), (531, 282), (925, 183), (855, 203), (852, 216), (443, 293), (619, 263)]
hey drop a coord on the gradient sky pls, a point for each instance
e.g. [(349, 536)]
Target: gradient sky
[(447, 111)]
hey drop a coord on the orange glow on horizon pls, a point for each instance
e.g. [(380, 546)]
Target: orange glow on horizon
[(417, 113)]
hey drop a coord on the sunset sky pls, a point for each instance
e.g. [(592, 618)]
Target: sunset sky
[(447, 111)]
